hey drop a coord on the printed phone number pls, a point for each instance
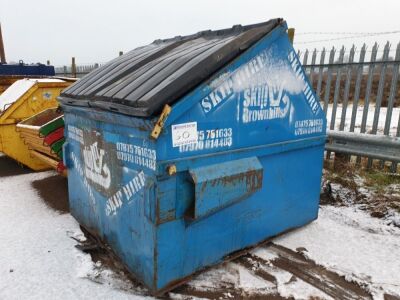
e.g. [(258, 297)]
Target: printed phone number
[(210, 139)]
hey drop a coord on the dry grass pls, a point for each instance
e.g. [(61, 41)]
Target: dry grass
[(376, 191)]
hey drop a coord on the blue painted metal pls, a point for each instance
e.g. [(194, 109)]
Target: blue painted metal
[(218, 185), (254, 172), (22, 69)]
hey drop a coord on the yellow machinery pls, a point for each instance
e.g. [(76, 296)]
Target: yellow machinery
[(23, 99)]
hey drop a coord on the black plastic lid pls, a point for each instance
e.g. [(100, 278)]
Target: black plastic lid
[(143, 80)]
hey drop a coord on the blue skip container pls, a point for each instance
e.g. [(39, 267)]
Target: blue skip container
[(186, 150)]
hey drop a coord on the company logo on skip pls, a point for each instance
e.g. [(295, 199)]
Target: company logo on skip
[(96, 169)]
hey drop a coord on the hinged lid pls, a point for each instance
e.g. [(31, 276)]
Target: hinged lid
[(143, 80)]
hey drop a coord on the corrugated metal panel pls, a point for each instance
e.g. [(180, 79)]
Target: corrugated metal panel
[(141, 82)]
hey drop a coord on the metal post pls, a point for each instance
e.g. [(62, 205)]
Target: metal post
[(368, 91), (394, 165), (347, 89), (321, 70), (73, 68), (305, 57), (357, 87), (392, 94), (336, 94), (337, 89), (379, 94), (313, 59), (2, 51), (369, 87), (328, 81), (291, 34)]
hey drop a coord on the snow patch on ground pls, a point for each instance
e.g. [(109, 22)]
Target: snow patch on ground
[(393, 217), (38, 258), (289, 286), (214, 278), (351, 243), (249, 282), (265, 254)]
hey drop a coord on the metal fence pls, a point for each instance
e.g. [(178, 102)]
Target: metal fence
[(359, 92), (76, 71)]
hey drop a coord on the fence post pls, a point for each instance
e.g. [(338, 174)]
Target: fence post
[(328, 81), (369, 87), (336, 94), (379, 94), (368, 92), (305, 57), (347, 88), (313, 59), (394, 165), (357, 87), (290, 33), (321, 70), (392, 96), (73, 68)]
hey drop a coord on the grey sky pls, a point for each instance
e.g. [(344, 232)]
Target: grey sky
[(94, 31)]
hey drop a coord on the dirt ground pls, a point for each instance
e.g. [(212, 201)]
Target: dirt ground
[(10, 168), (373, 190), (54, 192)]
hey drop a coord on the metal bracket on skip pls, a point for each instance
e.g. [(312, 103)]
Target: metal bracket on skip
[(161, 120)]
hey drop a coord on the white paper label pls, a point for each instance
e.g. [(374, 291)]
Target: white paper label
[(184, 134)]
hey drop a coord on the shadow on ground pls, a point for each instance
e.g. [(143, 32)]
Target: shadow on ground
[(9, 167), (54, 192)]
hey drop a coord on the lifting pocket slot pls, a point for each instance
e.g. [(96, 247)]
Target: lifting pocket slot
[(220, 185)]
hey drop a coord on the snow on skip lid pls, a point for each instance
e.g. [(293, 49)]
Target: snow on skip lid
[(351, 243), (275, 73), (19, 88), (47, 80), (14, 92), (263, 70)]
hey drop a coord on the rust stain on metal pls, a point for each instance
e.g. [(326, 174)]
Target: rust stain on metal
[(171, 169), (253, 179)]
